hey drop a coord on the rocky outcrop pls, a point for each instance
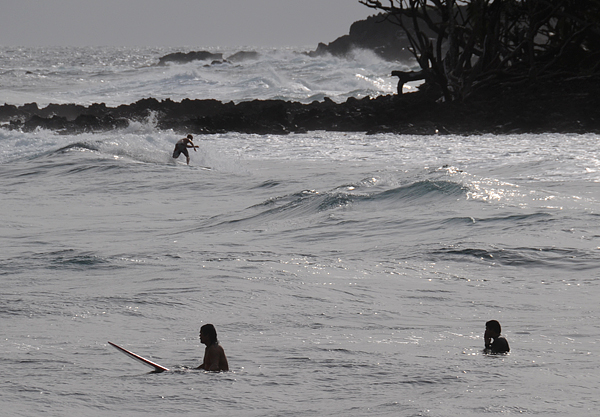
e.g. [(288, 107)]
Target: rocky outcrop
[(215, 58), (376, 33), (243, 56), (536, 108), (182, 58)]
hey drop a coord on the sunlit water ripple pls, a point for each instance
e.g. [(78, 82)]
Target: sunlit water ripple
[(346, 274)]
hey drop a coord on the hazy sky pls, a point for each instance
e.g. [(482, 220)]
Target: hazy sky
[(176, 22)]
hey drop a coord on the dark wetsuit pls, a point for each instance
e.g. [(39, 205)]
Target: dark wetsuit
[(500, 345), (181, 148)]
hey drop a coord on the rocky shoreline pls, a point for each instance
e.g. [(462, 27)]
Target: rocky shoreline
[(565, 106)]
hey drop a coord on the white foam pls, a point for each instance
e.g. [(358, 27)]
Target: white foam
[(124, 75)]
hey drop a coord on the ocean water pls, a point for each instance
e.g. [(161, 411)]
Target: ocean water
[(346, 274), (124, 75)]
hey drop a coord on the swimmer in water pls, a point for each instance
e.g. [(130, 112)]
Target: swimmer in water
[(494, 342), (214, 355)]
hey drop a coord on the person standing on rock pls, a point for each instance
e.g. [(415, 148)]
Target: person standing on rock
[(181, 148)]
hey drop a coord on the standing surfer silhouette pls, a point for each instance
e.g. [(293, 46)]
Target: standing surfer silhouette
[(181, 148)]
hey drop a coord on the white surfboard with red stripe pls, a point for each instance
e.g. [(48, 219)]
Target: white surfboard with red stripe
[(147, 362)]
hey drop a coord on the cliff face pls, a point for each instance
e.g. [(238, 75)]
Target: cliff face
[(375, 33)]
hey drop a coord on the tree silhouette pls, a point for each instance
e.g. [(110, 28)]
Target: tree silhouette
[(466, 45)]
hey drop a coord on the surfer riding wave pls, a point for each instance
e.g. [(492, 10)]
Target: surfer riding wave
[(181, 148)]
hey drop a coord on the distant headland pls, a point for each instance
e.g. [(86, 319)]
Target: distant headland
[(375, 33)]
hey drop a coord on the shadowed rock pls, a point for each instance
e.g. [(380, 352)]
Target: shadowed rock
[(375, 33), (182, 58), (243, 56)]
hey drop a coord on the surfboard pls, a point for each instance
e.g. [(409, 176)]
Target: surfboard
[(183, 163), (157, 368)]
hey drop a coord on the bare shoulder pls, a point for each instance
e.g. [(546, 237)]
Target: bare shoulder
[(215, 349), (215, 359)]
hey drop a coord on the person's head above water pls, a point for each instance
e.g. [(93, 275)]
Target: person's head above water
[(494, 328), (208, 334), (190, 137), (494, 342)]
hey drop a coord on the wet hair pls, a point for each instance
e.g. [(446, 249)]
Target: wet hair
[(210, 331), (494, 325), (190, 137)]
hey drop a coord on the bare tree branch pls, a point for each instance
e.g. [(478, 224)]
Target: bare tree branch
[(464, 45)]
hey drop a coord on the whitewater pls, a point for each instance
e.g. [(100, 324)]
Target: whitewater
[(346, 274)]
